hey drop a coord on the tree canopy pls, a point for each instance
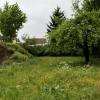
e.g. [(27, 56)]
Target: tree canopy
[(11, 20), (81, 31), (90, 5)]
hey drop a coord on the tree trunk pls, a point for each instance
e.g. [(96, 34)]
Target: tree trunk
[(86, 55), (86, 51)]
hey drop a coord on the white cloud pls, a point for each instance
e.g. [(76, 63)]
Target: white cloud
[(38, 13)]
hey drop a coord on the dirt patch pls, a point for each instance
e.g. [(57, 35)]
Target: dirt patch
[(4, 53)]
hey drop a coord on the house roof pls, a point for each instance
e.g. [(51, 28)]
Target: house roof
[(40, 40)]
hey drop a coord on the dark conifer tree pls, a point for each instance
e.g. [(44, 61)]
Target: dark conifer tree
[(56, 19)]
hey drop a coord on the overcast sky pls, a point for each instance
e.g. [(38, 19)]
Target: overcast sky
[(38, 14)]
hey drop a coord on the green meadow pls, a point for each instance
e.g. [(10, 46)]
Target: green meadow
[(61, 62), (50, 78)]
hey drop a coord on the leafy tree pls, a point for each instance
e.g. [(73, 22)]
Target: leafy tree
[(56, 19), (88, 24), (66, 37), (80, 32), (11, 20)]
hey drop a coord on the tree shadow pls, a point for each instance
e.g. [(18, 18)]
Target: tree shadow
[(77, 64), (95, 61)]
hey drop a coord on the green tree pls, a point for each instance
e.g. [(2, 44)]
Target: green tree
[(90, 5), (11, 20), (87, 20), (81, 32), (56, 19), (66, 37), (88, 24)]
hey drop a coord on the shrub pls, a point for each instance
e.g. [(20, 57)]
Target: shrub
[(16, 53), (17, 56), (46, 50), (36, 50), (18, 48)]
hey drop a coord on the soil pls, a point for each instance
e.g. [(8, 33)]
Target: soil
[(4, 53)]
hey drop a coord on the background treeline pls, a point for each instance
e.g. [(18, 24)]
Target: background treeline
[(47, 50), (78, 35), (51, 49)]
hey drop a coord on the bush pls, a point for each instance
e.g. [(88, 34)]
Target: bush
[(37, 50), (17, 56), (18, 48), (16, 53), (46, 50)]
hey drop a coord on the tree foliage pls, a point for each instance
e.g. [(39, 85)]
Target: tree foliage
[(65, 38), (57, 19), (90, 5), (81, 31), (11, 20)]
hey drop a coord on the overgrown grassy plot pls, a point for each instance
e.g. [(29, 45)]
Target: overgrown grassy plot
[(50, 78)]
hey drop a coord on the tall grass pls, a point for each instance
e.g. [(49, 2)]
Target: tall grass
[(50, 78)]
